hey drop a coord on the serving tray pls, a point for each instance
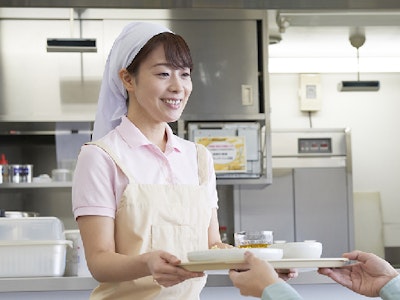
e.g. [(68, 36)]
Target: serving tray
[(277, 264)]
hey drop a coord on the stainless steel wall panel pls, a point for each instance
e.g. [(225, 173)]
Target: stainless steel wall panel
[(62, 86), (224, 61), (42, 86)]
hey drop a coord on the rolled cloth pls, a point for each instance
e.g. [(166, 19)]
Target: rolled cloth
[(112, 99)]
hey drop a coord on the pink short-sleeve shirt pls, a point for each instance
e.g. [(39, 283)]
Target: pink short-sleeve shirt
[(98, 182)]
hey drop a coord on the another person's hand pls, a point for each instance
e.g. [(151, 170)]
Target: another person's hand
[(366, 277), (164, 267), (287, 274), (259, 274)]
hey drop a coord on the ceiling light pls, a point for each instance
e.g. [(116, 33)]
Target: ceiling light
[(357, 39)]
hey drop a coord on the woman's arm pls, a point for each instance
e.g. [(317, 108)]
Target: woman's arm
[(214, 238), (108, 266)]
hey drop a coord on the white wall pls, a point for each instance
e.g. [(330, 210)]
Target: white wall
[(374, 121)]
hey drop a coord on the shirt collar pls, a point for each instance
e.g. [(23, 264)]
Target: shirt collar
[(135, 138)]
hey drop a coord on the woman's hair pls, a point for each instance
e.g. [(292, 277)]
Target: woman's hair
[(177, 52)]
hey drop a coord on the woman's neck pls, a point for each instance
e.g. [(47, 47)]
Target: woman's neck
[(154, 132)]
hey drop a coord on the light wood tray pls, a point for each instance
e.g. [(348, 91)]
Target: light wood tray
[(277, 264)]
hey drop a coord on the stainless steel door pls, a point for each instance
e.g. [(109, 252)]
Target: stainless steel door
[(321, 208), (269, 208)]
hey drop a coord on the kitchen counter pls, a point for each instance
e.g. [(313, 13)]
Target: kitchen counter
[(310, 285)]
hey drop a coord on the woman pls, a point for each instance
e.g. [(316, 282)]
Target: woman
[(142, 196)]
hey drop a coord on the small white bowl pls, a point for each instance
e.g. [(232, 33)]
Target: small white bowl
[(300, 250)]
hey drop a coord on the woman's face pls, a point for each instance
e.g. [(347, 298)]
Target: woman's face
[(159, 92)]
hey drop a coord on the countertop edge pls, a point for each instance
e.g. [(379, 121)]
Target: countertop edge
[(75, 283), (34, 284)]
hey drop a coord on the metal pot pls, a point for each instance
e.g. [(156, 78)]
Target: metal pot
[(19, 214), (20, 173)]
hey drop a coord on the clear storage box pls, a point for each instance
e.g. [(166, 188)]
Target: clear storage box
[(31, 228), (33, 258), (32, 247)]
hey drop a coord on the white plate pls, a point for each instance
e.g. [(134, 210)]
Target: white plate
[(233, 254), (277, 264)]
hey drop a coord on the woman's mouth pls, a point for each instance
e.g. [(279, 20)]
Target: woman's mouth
[(172, 102)]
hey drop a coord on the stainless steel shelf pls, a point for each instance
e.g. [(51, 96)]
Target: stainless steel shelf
[(36, 185), (262, 181), (36, 284)]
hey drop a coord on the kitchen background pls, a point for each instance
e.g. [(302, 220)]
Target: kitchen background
[(308, 38), (371, 116)]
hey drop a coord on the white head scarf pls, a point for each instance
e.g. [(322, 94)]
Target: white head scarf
[(112, 99)]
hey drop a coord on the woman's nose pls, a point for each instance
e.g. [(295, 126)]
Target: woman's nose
[(176, 83)]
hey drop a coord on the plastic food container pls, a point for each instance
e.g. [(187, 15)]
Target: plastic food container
[(61, 175), (33, 258), (31, 228)]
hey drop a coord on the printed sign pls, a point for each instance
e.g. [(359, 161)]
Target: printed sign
[(229, 153)]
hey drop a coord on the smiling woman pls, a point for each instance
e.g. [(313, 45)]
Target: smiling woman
[(159, 90), (143, 197)]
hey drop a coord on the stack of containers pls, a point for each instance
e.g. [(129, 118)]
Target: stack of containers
[(32, 247)]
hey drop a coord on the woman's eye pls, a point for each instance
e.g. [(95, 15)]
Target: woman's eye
[(186, 74), (163, 74)]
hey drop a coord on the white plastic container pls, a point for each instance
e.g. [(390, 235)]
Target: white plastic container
[(31, 228), (61, 175), (75, 260), (33, 258), (300, 250)]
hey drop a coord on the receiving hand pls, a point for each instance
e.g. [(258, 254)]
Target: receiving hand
[(367, 277), (258, 275), (287, 274), (164, 267)]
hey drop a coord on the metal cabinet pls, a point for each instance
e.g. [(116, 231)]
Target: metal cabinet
[(301, 204), (311, 195), (268, 208), (321, 208)]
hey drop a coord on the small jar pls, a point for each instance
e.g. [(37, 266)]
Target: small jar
[(61, 175)]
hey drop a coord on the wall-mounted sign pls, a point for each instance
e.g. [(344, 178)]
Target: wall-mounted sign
[(229, 153)]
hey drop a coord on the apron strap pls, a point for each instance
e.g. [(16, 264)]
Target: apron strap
[(201, 161), (202, 164), (116, 160)]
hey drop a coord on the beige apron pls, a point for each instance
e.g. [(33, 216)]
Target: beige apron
[(173, 218)]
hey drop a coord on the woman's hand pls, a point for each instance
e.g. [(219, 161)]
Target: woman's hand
[(164, 267)]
